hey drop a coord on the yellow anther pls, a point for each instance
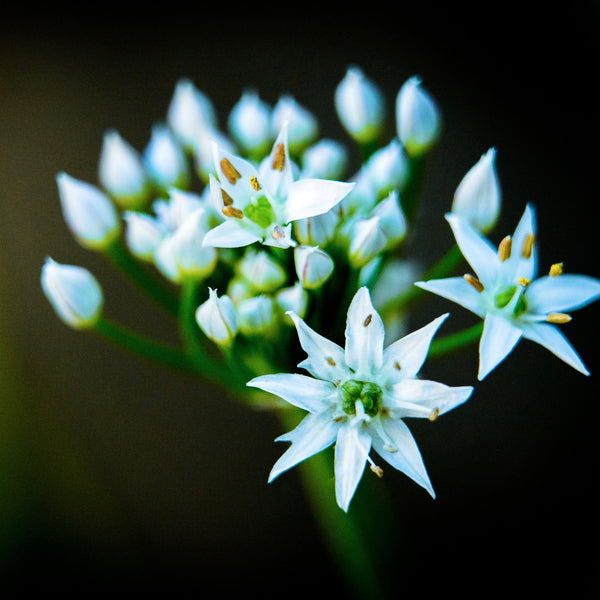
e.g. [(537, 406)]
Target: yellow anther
[(471, 279), (505, 248), (231, 211), (556, 269), (279, 157), (367, 320), (435, 413), (528, 246), (397, 365), (227, 199), (255, 183), (229, 171), (558, 318), (524, 281), (330, 361), (377, 470), (277, 233)]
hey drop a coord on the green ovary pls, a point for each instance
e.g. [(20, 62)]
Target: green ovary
[(260, 213), (369, 394), (502, 299)]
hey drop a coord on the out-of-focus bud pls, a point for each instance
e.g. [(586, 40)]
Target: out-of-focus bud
[(391, 219), (302, 125), (418, 119), (293, 298), (256, 315), (249, 124), (182, 255), (217, 318), (173, 212), (362, 197), (89, 213), (190, 113), (121, 172), (143, 234), (313, 266), (360, 106), (73, 292), (327, 159), (318, 230), (366, 242), (478, 197), (387, 168), (262, 271), (165, 160), (239, 289)]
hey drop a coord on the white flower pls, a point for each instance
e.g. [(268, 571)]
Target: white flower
[(357, 397), (326, 159), (165, 160), (73, 292), (262, 270), (477, 197), (261, 205), (505, 294), (89, 213), (143, 234), (217, 318), (250, 124)]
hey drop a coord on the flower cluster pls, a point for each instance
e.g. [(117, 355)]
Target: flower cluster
[(249, 231)]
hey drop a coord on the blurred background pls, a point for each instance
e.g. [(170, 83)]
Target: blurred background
[(114, 471)]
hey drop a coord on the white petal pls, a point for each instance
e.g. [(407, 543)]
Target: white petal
[(364, 335), (406, 456), (476, 249), (517, 265), (405, 357), (315, 433), (427, 396), (457, 290), (326, 360), (313, 395), (310, 197), (553, 339), (276, 173), (497, 340), (237, 177), (565, 292), (351, 450), (230, 234)]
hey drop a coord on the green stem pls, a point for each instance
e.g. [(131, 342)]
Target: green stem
[(142, 345), (454, 341), (120, 257), (411, 192)]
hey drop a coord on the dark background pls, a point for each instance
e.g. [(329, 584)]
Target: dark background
[(114, 471)]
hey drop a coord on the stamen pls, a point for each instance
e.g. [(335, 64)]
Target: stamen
[(558, 318), (474, 282), (377, 470), (231, 211), (279, 157), (524, 281), (330, 361), (227, 199), (397, 365), (528, 246), (505, 248), (367, 320), (229, 171), (435, 413), (277, 233), (255, 183), (556, 269)]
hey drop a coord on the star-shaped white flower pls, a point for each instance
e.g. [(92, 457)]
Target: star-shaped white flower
[(358, 396), (505, 294), (259, 205)]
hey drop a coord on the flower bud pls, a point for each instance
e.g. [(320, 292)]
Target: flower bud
[(73, 292), (122, 173), (366, 242), (165, 160), (360, 106), (477, 197), (89, 213), (313, 266), (190, 114), (302, 125), (143, 234), (294, 298), (256, 315), (262, 271), (250, 124), (417, 117), (387, 168), (317, 230), (327, 159), (217, 318), (391, 219)]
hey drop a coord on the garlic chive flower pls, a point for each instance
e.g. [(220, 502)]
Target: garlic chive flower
[(89, 213), (217, 318), (358, 397), (505, 293), (260, 205), (478, 196), (73, 292)]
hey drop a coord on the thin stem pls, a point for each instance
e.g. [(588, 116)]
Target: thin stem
[(411, 193), (454, 341), (120, 257)]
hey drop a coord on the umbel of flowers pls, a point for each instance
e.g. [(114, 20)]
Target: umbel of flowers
[(264, 241)]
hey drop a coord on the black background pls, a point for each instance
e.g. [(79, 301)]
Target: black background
[(115, 471)]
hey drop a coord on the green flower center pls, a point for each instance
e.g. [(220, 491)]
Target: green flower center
[(369, 394), (261, 212), (503, 299)]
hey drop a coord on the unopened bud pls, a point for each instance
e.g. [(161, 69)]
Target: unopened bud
[(217, 318), (313, 266)]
